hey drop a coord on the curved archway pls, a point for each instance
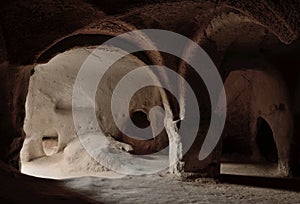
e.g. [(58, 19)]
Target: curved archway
[(265, 141), (49, 128), (259, 126), (50, 142)]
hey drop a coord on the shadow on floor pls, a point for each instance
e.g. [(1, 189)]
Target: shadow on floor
[(291, 184)]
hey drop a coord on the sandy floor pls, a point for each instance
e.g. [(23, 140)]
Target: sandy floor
[(250, 169), (109, 187), (157, 189), (51, 167)]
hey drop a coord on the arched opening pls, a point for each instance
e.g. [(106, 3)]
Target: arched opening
[(248, 146), (265, 141), (50, 144), (140, 119), (27, 27), (51, 137)]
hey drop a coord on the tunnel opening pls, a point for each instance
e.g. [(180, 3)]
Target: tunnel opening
[(143, 144), (265, 141), (248, 145), (140, 119)]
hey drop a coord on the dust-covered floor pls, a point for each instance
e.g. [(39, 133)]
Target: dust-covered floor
[(163, 189), (110, 187), (54, 167)]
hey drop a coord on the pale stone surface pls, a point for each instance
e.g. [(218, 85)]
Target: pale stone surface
[(49, 109)]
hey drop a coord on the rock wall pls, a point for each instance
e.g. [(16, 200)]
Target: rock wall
[(49, 108), (29, 29), (254, 94)]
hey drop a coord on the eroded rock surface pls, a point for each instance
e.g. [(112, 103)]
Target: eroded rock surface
[(49, 109)]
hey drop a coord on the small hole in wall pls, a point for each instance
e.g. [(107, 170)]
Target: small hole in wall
[(50, 145), (140, 119)]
